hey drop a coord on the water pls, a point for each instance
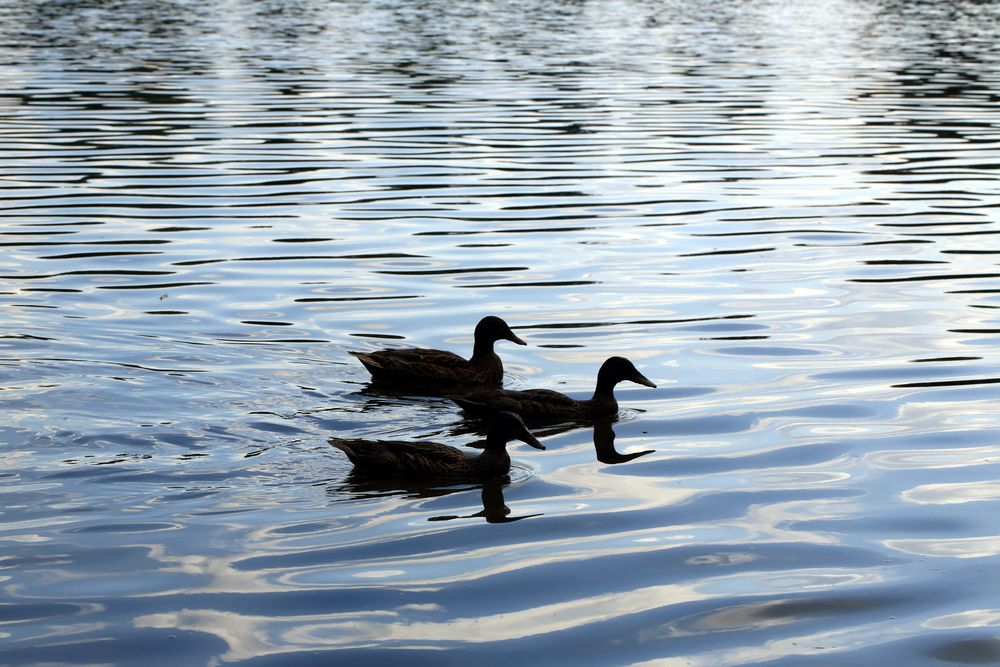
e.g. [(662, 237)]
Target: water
[(784, 213)]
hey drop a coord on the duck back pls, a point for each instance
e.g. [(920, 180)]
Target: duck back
[(537, 403), (391, 458), (437, 367)]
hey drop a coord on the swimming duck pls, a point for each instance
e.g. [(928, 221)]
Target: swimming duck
[(441, 368), (545, 403), (421, 460)]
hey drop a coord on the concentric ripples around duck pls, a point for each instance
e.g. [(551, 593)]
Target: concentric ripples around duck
[(785, 214)]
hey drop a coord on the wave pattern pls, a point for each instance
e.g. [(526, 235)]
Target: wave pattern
[(784, 213)]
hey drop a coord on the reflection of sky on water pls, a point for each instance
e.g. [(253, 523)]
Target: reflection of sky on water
[(249, 635), (949, 494)]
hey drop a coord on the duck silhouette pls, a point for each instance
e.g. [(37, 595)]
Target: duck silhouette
[(548, 404), (440, 369), (433, 460)]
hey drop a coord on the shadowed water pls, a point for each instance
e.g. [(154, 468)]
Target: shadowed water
[(786, 214)]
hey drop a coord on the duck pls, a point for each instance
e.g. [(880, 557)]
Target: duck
[(433, 460), (439, 368), (548, 404)]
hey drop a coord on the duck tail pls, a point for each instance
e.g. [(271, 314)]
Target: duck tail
[(469, 404), (345, 446), (370, 362)]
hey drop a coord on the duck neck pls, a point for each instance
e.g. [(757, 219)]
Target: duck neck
[(605, 387), (495, 452), (494, 443), (482, 350)]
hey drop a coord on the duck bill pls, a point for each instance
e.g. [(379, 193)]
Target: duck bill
[(531, 440), (639, 378), (514, 339)]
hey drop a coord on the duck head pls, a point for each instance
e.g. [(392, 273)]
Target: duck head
[(491, 329), (507, 426), (617, 369)]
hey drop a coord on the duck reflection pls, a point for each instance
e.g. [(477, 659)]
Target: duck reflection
[(604, 445), (376, 397), (603, 432), (495, 509), (477, 427)]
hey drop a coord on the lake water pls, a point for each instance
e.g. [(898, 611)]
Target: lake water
[(786, 214)]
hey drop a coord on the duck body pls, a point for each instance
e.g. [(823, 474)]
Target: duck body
[(440, 368), (537, 404), (398, 458), (549, 404), (433, 460), (435, 367)]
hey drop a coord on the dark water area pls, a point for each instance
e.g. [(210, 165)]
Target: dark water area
[(786, 214)]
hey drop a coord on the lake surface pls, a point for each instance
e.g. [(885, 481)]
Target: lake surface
[(786, 214)]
